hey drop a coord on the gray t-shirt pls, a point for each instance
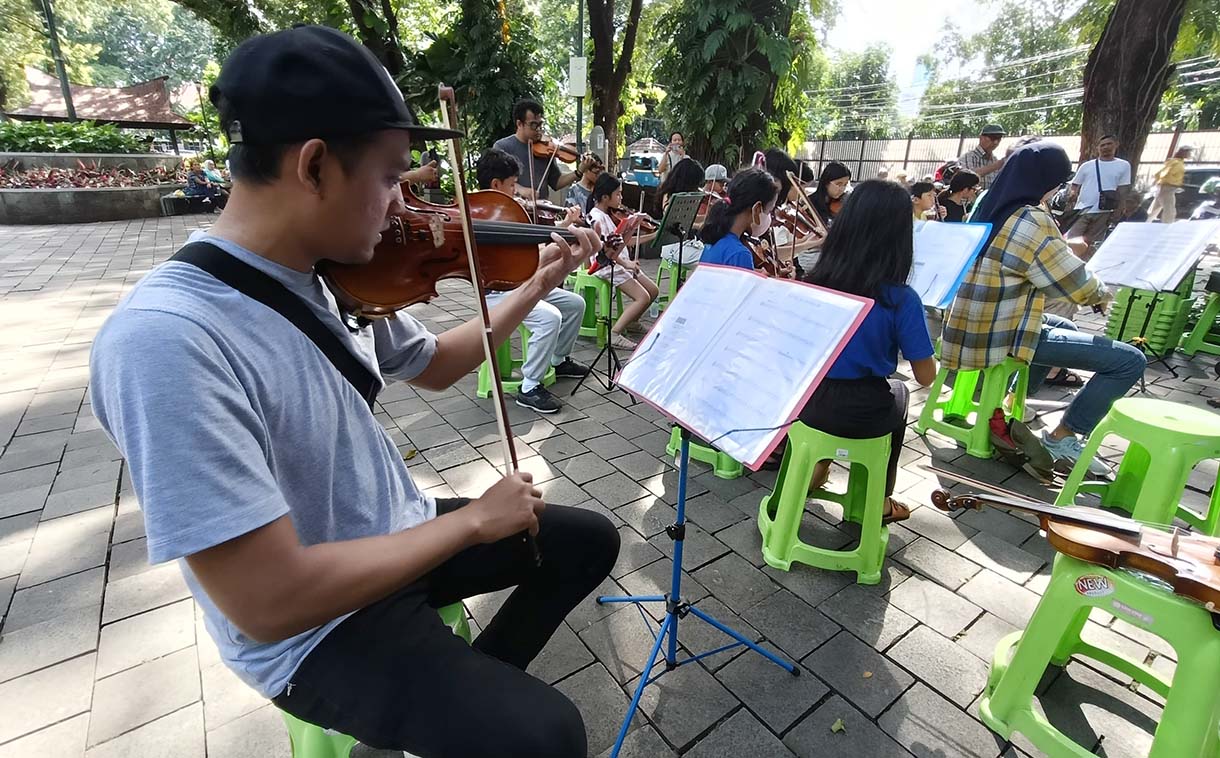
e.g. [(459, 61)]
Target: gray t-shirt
[(521, 151), (229, 418)]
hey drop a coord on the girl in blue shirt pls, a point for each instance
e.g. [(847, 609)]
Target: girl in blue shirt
[(747, 208), (869, 252)]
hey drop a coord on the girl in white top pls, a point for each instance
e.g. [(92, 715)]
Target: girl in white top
[(607, 193)]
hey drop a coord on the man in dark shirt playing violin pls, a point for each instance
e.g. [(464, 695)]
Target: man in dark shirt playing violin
[(316, 559), (535, 171)]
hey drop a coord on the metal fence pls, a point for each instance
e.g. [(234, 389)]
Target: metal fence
[(922, 155)]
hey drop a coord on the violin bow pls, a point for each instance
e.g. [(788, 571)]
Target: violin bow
[(449, 117)]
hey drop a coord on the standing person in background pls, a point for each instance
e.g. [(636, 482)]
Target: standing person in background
[(981, 160), (1169, 180), (589, 168), (536, 173), (1096, 203), (960, 193), (674, 152)]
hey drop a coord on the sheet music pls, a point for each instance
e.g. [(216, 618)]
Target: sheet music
[(738, 351), (943, 254), (1151, 256)]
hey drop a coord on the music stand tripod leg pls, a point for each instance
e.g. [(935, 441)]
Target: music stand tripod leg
[(676, 609), (613, 363)]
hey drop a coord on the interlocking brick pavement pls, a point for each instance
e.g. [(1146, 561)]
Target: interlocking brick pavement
[(103, 655)]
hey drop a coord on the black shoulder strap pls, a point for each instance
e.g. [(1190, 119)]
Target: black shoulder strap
[(259, 286)]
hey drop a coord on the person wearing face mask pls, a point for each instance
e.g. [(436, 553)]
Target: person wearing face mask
[(747, 208), (999, 309)]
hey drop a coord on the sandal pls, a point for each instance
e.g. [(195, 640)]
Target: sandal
[(1065, 378), (899, 511)]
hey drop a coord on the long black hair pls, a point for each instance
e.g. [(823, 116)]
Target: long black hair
[(684, 176), (871, 243), (779, 164), (749, 186), (821, 197), (603, 187)]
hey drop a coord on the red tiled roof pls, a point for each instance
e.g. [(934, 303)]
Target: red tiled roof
[(140, 106)]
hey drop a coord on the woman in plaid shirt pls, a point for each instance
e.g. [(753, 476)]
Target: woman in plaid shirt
[(998, 311)]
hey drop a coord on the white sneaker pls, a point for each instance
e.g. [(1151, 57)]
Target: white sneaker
[(1070, 449)]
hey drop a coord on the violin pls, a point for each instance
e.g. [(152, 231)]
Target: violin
[(1187, 562), (647, 225), (545, 148), (765, 259), (424, 244), (709, 198), (544, 213)]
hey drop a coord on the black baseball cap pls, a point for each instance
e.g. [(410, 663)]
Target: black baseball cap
[(309, 82)]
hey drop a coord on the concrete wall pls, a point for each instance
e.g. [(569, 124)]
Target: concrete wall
[(137, 162), (78, 206)]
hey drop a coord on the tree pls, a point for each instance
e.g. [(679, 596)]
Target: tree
[(1029, 81), (861, 98), (607, 77), (23, 42), (138, 41), (1127, 72), (729, 57)]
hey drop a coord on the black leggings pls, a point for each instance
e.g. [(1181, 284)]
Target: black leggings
[(859, 409), (393, 676)]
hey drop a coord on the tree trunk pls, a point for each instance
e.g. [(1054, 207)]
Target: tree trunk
[(1127, 72), (606, 76)]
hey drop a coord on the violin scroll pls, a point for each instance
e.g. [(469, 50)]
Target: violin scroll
[(947, 501)]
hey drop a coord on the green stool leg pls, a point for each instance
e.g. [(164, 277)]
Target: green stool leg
[(1198, 338), (312, 741), (961, 402), (966, 420), (780, 513), (723, 465), (508, 364)]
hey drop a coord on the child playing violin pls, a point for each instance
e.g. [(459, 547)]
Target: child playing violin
[(744, 213), (869, 252), (613, 260)]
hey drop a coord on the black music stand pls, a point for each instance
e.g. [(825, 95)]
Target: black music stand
[(679, 220)]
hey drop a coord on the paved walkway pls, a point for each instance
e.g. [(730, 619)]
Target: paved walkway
[(104, 655)]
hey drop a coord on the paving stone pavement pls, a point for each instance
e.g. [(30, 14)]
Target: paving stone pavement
[(104, 655)]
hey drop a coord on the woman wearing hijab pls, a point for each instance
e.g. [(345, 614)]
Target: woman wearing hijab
[(998, 311)]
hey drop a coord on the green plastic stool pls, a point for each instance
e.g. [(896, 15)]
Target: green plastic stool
[(723, 465), (1201, 339), (508, 364), (973, 416), (779, 514), (1165, 442), (671, 269), (312, 741), (1188, 725), (596, 292)]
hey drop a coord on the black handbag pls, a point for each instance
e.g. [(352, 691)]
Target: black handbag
[(1107, 200)]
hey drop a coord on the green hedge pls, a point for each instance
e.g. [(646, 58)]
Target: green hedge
[(66, 137)]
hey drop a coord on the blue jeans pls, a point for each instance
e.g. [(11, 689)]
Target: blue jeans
[(1117, 366)]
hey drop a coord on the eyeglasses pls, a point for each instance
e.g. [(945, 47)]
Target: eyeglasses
[(535, 124)]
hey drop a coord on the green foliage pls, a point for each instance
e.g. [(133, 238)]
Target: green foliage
[(66, 137), (1021, 97), (138, 41), (860, 98), (23, 42), (725, 60), (487, 74)]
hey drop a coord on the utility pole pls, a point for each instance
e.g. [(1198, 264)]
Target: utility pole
[(48, 15), (579, 52)]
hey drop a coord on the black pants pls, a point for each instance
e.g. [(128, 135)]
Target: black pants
[(859, 409), (393, 676)]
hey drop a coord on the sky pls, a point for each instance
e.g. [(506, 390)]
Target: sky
[(910, 28)]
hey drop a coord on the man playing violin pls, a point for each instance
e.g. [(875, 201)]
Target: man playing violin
[(536, 171), (554, 323), (316, 558)]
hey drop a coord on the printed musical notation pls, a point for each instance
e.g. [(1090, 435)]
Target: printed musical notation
[(1152, 256), (943, 255), (736, 354)]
